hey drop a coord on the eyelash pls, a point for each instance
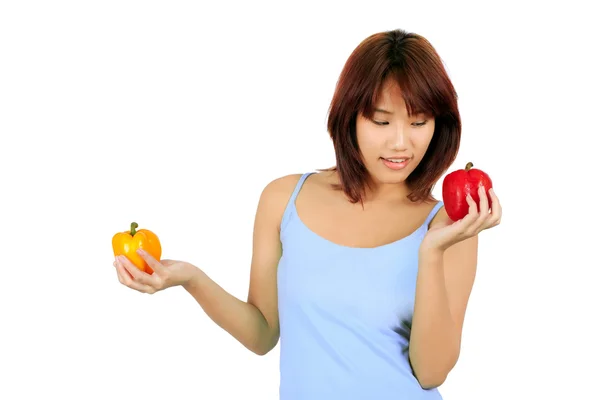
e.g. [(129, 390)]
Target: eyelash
[(418, 124)]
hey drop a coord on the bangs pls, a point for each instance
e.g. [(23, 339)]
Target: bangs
[(418, 93)]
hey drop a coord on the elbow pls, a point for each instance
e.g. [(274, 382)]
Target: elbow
[(262, 349), (433, 375), (261, 352), (431, 381)]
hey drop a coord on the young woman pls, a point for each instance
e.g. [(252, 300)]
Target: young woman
[(358, 269)]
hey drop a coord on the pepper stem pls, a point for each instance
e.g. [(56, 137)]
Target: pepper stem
[(133, 226), (469, 166)]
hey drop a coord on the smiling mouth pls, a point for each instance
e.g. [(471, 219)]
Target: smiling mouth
[(397, 160), (396, 163)]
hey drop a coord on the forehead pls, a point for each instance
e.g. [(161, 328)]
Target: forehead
[(390, 97)]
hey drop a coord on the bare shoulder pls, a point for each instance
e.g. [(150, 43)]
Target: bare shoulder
[(440, 218), (281, 186), (279, 190), (276, 195)]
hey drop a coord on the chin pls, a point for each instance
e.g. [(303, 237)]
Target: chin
[(390, 177), (392, 181), (386, 176)]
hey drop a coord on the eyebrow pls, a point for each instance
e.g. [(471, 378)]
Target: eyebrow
[(381, 110)]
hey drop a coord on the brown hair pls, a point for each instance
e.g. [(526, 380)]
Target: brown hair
[(414, 64)]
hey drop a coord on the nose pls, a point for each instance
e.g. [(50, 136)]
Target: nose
[(398, 140)]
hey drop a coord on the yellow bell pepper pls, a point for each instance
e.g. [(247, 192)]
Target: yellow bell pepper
[(126, 243)]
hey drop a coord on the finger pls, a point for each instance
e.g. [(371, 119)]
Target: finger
[(125, 279), (496, 208), (483, 201), (127, 274), (462, 225), (121, 280), (138, 275), (473, 213), (484, 208), (135, 272), (152, 262)]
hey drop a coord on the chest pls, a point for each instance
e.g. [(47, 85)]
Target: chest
[(353, 226), (373, 287)]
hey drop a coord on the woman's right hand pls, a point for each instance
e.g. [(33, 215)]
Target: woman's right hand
[(167, 273)]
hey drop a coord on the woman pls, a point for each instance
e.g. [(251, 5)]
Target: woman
[(358, 269)]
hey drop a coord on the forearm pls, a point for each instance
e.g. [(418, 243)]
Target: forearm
[(242, 320), (434, 340)]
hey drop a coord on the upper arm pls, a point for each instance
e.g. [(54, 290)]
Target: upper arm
[(460, 265), (266, 248)]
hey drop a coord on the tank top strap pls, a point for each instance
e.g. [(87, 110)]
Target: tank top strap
[(291, 202), (433, 212)]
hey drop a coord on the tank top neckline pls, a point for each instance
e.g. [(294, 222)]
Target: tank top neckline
[(407, 238)]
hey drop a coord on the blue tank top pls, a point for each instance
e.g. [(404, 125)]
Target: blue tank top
[(341, 313)]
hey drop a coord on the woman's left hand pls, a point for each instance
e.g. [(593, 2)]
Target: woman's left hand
[(447, 233)]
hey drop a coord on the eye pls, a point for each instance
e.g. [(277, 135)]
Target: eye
[(419, 123), (380, 123)]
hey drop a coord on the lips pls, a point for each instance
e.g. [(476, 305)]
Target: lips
[(396, 160), (396, 163)]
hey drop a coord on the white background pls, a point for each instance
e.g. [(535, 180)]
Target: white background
[(176, 115)]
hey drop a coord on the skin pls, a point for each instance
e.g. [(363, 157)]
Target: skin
[(447, 255), (392, 133)]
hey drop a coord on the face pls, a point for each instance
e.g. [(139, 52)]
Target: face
[(392, 144)]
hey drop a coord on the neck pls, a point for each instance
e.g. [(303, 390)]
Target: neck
[(377, 192), (386, 192)]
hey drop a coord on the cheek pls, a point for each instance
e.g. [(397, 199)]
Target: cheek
[(366, 139), (422, 140), (369, 145), (419, 145), (423, 144)]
